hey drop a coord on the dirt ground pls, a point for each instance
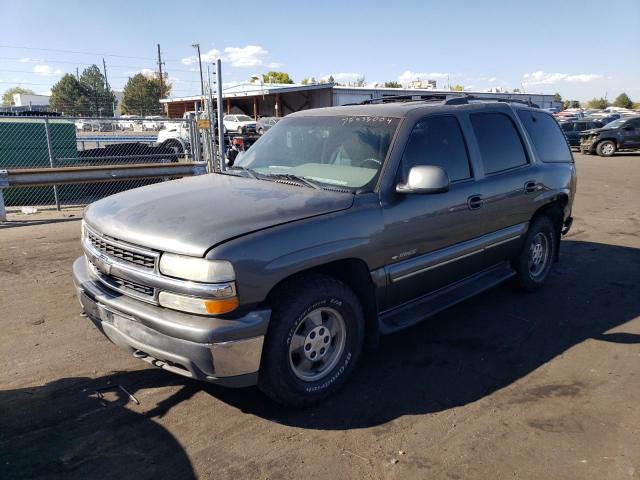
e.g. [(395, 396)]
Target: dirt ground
[(505, 385)]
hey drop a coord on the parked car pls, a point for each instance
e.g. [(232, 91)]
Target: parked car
[(239, 124), (341, 224), (573, 128), (82, 125), (265, 123), (621, 134), (152, 123), (129, 122)]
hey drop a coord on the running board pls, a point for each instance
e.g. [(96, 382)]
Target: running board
[(424, 307)]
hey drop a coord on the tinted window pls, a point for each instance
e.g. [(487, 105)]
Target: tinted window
[(635, 123), (499, 142), (548, 140), (567, 127), (437, 141), (581, 126)]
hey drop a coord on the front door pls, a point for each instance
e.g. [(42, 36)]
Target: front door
[(425, 234), (630, 133)]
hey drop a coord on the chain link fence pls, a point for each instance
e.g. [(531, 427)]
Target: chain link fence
[(28, 144)]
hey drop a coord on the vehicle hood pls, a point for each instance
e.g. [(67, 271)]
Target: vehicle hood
[(192, 215)]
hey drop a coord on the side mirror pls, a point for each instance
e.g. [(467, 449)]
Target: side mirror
[(425, 179)]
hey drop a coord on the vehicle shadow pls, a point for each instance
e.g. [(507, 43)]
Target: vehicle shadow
[(479, 346), (65, 429)]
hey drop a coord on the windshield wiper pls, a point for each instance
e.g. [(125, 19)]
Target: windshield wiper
[(297, 178), (251, 173)]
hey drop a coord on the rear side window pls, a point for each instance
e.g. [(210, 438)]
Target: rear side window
[(548, 140), (437, 141), (499, 142), (567, 127)]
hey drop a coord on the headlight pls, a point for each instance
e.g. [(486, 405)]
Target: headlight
[(196, 269)]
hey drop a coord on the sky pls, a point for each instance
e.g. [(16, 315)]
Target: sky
[(580, 49)]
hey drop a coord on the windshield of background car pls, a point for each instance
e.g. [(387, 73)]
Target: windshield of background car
[(615, 123), (244, 118), (341, 151)]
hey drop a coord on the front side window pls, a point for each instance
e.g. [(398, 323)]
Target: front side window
[(635, 123), (344, 151), (499, 142), (437, 141)]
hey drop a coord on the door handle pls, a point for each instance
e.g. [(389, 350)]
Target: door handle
[(530, 187), (474, 202)]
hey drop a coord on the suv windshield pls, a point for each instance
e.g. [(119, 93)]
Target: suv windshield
[(244, 118), (346, 151), (615, 123)]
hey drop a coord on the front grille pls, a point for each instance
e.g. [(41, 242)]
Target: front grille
[(128, 285), (116, 251)]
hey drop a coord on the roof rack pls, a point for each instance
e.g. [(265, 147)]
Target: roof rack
[(445, 98), (458, 100)]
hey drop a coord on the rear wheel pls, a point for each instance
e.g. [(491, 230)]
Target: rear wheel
[(533, 264), (606, 148), (315, 337)]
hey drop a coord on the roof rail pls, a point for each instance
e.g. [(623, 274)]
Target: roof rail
[(453, 98), (406, 98), (467, 98)]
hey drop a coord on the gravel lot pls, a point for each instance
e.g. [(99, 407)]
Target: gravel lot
[(505, 385)]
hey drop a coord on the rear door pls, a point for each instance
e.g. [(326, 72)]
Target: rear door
[(509, 179)]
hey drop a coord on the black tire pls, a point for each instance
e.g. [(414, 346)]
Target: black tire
[(606, 148), (291, 306), (532, 277), (175, 147)]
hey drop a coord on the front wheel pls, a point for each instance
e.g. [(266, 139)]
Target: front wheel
[(606, 148), (533, 264), (314, 340)]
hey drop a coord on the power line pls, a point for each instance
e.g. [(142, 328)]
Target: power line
[(78, 52), (73, 51)]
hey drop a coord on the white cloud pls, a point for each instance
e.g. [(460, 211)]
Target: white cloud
[(343, 77), (210, 56), (408, 76), (46, 70), (24, 60), (247, 56), (544, 78)]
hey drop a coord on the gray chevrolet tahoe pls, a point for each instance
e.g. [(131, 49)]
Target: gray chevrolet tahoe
[(338, 225)]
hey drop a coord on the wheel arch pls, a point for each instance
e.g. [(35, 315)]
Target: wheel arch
[(353, 272), (555, 210), (169, 141)]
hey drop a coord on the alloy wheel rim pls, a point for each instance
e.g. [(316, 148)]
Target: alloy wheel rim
[(317, 344), (538, 254), (607, 149)]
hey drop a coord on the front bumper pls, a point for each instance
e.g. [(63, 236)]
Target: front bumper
[(588, 145), (217, 350)]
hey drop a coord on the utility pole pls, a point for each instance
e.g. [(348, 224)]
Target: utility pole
[(104, 70), (160, 63), (106, 82), (197, 47), (223, 165)]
